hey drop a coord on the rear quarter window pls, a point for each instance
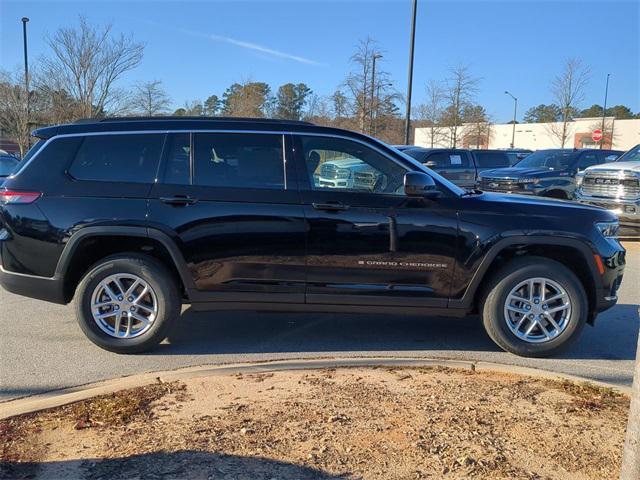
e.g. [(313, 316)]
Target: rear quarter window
[(130, 158), (492, 159)]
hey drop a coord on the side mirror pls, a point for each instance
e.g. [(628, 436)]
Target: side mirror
[(419, 184)]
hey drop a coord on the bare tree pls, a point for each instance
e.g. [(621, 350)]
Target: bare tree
[(13, 109), (86, 63), (477, 127), (430, 112), (150, 98), (567, 90), (461, 90)]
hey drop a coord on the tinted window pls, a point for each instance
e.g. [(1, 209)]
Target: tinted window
[(589, 159), (177, 169), (238, 160), (552, 159), (492, 159), (129, 158), (336, 163), (7, 165), (632, 155), (448, 160)]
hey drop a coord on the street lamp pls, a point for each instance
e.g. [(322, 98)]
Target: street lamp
[(26, 69), (604, 111), (515, 111), (373, 81), (407, 121)]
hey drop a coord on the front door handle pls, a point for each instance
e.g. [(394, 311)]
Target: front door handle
[(178, 200), (330, 206)]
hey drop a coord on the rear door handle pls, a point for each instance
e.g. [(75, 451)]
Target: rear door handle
[(178, 200), (330, 207)]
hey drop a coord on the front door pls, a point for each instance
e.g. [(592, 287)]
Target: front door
[(232, 205), (368, 244)]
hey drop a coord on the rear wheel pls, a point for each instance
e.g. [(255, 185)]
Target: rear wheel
[(535, 307), (127, 303)]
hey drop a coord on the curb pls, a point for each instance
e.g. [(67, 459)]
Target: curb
[(66, 396)]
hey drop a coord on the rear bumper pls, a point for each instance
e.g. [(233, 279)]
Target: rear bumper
[(40, 288)]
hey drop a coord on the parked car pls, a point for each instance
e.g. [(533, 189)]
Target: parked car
[(547, 173), (134, 217), (461, 166), (8, 164), (616, 187)]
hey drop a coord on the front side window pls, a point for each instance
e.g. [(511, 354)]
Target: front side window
[(337, 163), (131, 158), (632, 155), (238, 160)]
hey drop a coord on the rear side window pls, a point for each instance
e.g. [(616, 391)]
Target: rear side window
[(448, 160), (238, 160), (129, 158), (492, 159)]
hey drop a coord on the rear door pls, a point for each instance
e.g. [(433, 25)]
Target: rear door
[(231, 202), (455, 165)]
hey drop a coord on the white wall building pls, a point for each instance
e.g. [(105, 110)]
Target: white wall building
[(536, 136)]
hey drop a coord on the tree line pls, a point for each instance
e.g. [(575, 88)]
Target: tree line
[(81, 73)]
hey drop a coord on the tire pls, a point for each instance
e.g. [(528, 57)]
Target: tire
[(162, 292), (500, 322)]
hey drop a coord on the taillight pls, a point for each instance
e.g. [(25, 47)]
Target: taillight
[(14, 197)]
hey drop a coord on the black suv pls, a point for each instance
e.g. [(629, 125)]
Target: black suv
[(134, 217), (548, 173)]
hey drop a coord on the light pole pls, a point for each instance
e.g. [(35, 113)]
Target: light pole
[(515, 112), (26, 69), (373, 82), (407, 121), (604, 111)]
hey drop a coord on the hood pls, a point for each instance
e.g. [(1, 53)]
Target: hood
[(614, 166), (514, 173)]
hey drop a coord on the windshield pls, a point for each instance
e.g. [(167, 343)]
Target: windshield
[(7, 165), (438, 178), (551, 159), (632, 155)]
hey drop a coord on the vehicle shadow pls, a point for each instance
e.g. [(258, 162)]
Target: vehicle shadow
[(198, 333), (185, 464)]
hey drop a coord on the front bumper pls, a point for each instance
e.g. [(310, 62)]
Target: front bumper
[(627, 211)]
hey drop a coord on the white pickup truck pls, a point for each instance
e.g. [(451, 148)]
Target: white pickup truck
[(616, 187)]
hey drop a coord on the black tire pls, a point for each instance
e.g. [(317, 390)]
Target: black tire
[(157, 276), (508, 277)]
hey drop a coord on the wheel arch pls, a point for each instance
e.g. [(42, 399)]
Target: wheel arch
[(90, 244), (574, 254)]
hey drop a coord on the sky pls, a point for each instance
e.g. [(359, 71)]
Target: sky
[(199, 47)]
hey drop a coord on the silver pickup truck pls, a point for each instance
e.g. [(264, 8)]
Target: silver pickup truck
[(616, 187)]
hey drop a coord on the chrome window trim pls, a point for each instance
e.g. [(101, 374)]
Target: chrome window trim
[(192, 131)]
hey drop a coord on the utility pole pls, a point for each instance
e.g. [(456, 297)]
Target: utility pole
[(407, 121), (26, 73), (604, 112), (515, 112), (373, 82), (631, 459)]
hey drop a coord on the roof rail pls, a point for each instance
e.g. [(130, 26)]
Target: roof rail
[(192, 118)]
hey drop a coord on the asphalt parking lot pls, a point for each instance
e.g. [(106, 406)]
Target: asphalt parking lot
[(42, 349)]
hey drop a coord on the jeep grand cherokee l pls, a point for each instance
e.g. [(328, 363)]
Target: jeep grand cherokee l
[(134, 217), (547, 173)]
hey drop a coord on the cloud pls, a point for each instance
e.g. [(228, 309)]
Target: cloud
[(252, 46)]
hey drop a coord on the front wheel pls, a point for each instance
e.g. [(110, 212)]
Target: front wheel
[(127, 303), (535, 307)]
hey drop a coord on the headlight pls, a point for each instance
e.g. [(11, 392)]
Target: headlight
[(608, 229), (529, 180), (579, 179)]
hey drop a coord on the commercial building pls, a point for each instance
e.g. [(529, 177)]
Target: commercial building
[(618, 135)]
